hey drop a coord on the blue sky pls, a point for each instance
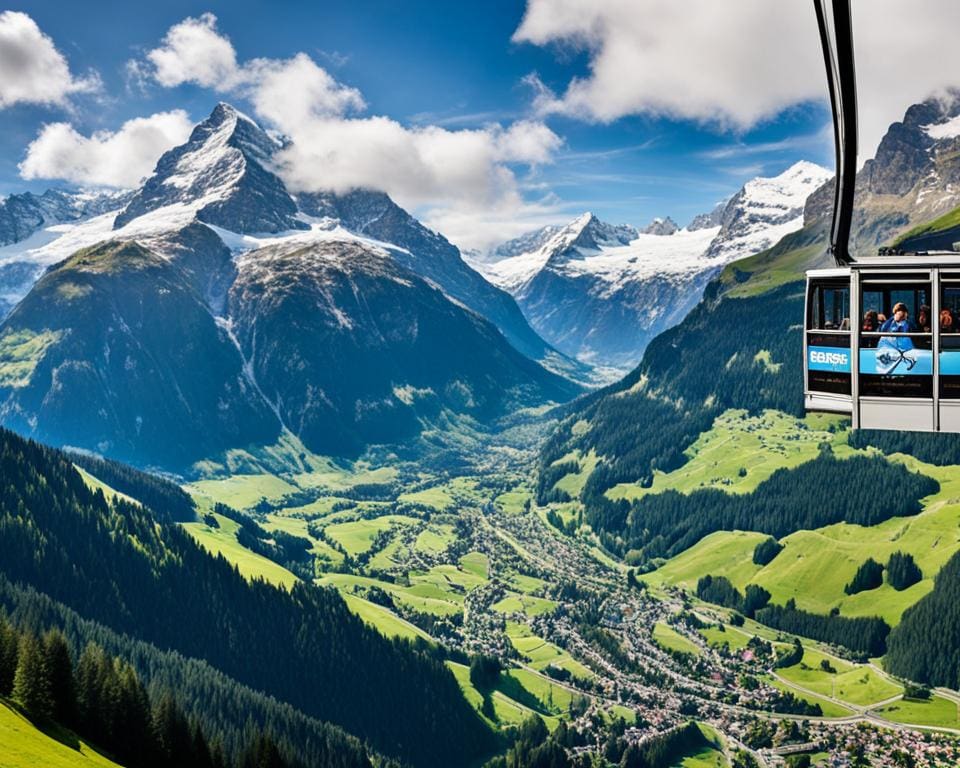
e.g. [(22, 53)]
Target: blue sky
[(435, 64)]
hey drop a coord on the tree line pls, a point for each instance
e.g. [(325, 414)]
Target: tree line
[(228, 712), (864, 490), (864, 635), (925, 645), (158, 493), (122, 566), (102, 700)]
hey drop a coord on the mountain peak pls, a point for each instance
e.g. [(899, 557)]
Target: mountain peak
[(661, 226), (221, 175), (765, 209)]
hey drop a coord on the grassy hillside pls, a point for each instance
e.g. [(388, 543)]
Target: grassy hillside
[(24, 745), (815, 565), (940, 233), (115, 563)]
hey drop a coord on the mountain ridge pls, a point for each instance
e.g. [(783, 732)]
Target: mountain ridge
[(601, 293)]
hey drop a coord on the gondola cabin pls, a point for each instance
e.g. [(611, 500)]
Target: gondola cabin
[(882, 342)]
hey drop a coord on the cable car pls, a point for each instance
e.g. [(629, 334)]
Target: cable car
[(874, 345)]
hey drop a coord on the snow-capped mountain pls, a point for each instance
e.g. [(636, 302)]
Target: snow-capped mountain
[(216, 310), (707, 220), (764, 210), (222, 177), (601, 293), (22, 215), (28, 220)]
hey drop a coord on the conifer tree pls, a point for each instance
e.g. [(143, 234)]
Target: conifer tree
[(31, 684), (59, 669), (9, 640)]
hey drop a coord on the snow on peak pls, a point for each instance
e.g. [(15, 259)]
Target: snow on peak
[(789, 190), (661, 226), (948, 129), (765, 210)]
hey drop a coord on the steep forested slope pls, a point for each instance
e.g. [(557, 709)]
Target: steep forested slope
[(117, 565), (926, 644)]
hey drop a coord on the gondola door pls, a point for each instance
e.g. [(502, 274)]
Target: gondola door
[(895, 377), (827, 351), (948, 324)]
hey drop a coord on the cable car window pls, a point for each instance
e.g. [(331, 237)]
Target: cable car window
[(896, 354), (830, 308), (828, 337), (950, 341)]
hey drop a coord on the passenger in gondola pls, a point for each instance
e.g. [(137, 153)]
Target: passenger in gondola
[(871, 321), (946, 321), (900, 322), (923, 318)]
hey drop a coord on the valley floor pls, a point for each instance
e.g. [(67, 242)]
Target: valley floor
[(470, 561)]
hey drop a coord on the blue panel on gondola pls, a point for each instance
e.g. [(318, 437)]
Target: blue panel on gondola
[(896, 359), (836, 360), (950, 363)]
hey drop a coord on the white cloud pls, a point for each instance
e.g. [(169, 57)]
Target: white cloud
[(469, 230), (32, 70), (734, 64), (460, 175), (296, 90), (114, 159), (193, 51)]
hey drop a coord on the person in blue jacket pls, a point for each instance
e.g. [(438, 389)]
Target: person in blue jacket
[(899, 322)]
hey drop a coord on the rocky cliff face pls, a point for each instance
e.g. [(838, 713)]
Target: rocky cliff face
[(914, 178), (222, 175)]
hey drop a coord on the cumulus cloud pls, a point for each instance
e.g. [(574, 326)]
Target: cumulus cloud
[(460, 176), (115, 159), (734, 64), (33, 70), (294, 91), (193, 51)]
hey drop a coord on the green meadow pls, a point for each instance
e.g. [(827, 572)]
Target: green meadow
[(357, 536), (856, 684), (223, 541), (936, 711), (541, 654), (816, 565), (827, 707), (670, 640), (741, 451), (26, 746)]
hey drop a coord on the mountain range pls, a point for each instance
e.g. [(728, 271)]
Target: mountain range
[(600, 293), (215, 310)]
